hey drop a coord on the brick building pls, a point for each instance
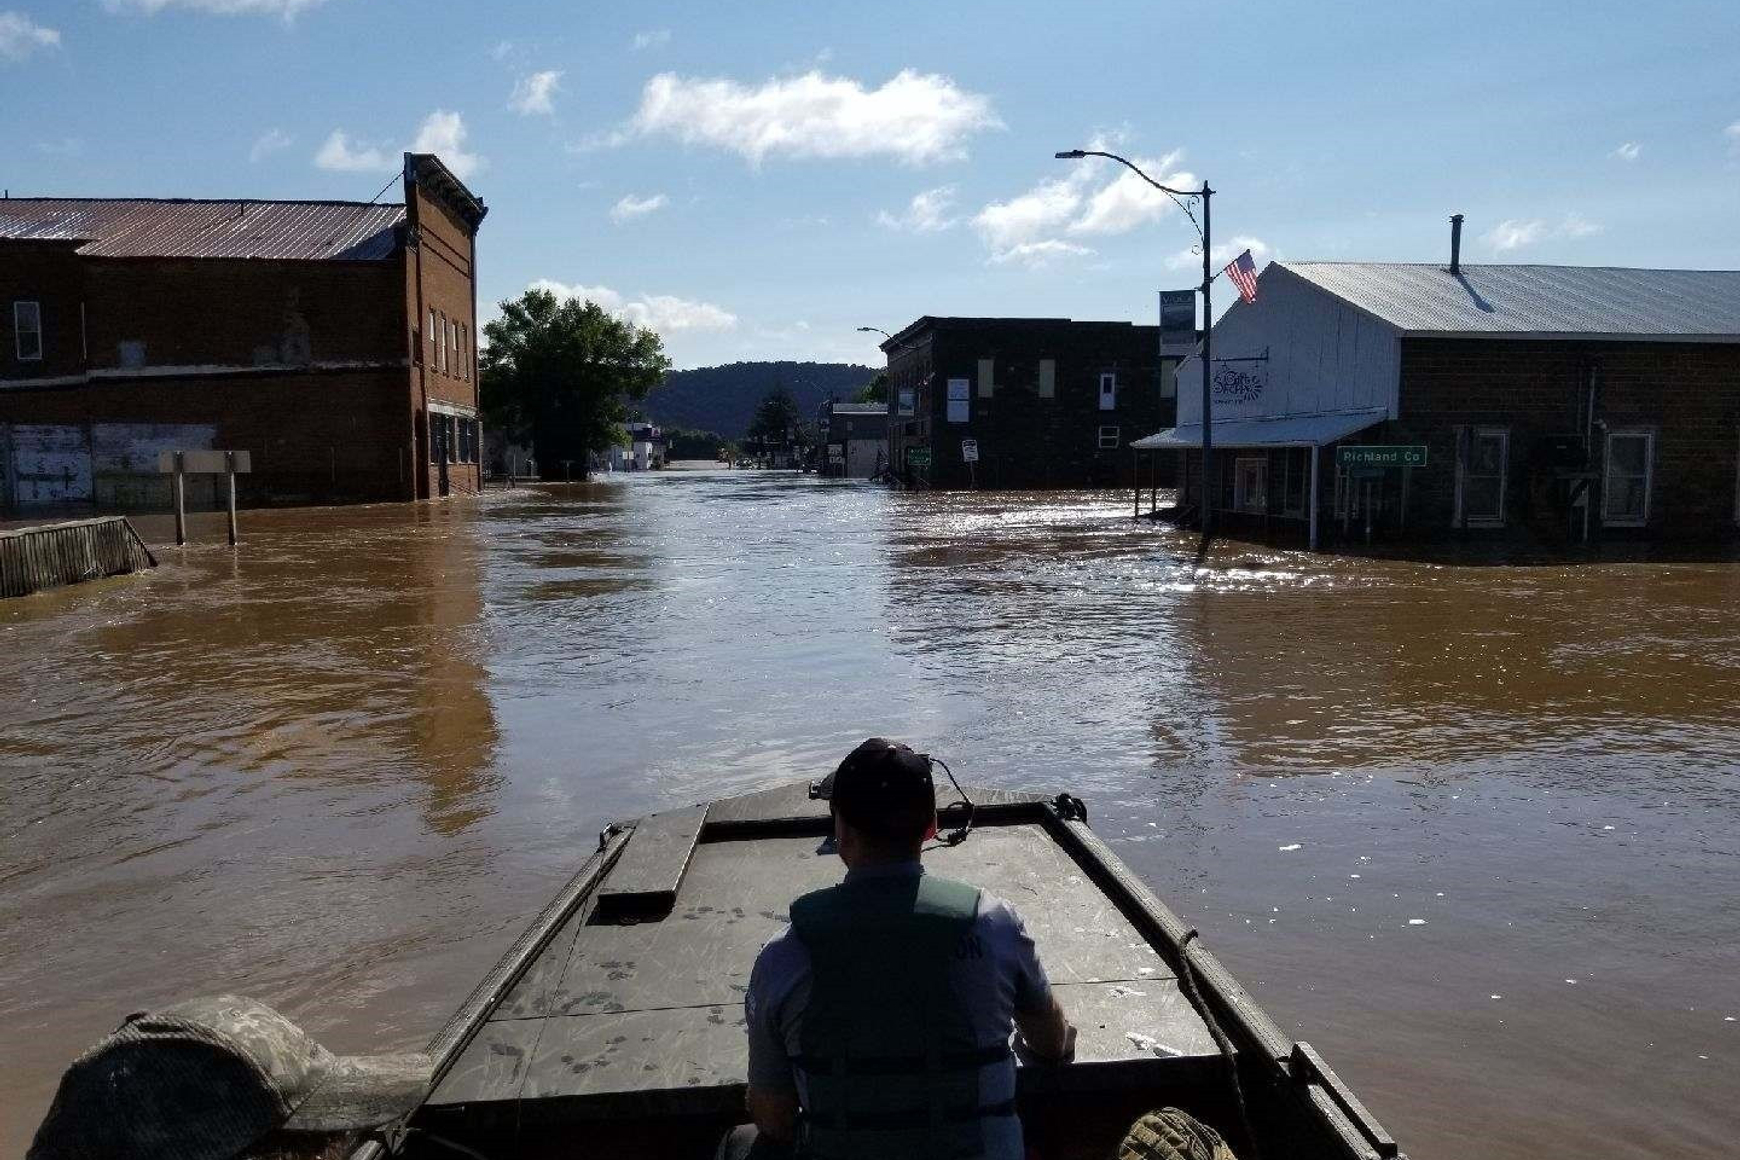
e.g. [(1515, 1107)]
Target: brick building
[(1553, 404), (1050, 402), (332, 340)]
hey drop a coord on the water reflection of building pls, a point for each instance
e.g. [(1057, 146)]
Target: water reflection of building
[(1404, 401)]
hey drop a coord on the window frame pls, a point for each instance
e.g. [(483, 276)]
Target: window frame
[(434, 356), (987, 380), (1047, 385), (1241, 495), (1116, 434), (1463, 518), (1108, 398), (1647, 434), (18, 331)]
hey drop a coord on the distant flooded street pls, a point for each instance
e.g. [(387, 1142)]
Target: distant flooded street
[(1474, 832)]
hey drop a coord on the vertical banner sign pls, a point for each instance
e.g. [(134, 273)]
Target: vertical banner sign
[(1177, 321), (958, 400)]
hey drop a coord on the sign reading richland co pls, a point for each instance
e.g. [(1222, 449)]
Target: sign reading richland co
[(1381, 455)]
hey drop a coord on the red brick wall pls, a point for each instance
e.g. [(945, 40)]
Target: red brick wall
[(315, 437), (52, 277), (242, 313), (441, 276), (1689, 393)]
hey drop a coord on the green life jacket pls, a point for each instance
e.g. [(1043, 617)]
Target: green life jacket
[(889, 1062)]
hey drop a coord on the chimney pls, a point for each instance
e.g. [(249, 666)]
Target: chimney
[(1455, 244)]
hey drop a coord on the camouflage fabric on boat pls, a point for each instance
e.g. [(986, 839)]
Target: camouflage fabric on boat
[(1170, 1134)]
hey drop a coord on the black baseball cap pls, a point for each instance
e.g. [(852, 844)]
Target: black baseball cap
[(881, 778)]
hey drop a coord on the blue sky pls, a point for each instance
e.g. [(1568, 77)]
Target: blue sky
[(758, 179)]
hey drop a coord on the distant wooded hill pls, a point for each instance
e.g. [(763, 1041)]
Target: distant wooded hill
[(723, 398)]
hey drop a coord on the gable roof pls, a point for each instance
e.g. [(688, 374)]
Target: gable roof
[(1419, 299), (152, 228)]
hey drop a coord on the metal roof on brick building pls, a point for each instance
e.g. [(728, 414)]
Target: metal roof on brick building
[(1558, 301), (149, 228)]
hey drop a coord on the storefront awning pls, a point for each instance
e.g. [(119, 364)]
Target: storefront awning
[(1287, 431)]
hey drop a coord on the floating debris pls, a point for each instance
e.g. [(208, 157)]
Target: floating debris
[(1151, 1045), (1495, 996), (1416, 922), (1286, 849)]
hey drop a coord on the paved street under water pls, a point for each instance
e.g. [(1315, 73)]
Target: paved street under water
[(1473, 831)]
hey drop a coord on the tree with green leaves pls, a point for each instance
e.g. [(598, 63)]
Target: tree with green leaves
[(874, 391), (777, 417), (565, 373)]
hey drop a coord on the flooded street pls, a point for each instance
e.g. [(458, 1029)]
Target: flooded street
[(1474, 832)]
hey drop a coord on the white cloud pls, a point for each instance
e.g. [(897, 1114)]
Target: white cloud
[(631, 207), (914, 118), (661, 312), (342, 155), (1517, 233), (1126, 201), (288, 9), (501, 50), (1223, 253), (63, 147), (1732, 132), (1628, 151), (1095, 197), (443, 134), (536, 93), (20, 36), (652, 38), (926, 213), (1036, 254), (269, 142)]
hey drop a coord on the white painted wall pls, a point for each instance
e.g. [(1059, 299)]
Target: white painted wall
[(1324, 356)]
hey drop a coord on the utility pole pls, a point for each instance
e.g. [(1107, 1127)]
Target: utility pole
[(1207, 376), (1202, 230)]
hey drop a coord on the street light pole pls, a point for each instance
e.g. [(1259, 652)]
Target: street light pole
[(1202, 231)]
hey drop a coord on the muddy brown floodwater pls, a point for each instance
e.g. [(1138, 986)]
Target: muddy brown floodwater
[(1473, 831)]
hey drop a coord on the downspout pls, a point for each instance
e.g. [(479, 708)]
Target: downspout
[(414, 242)]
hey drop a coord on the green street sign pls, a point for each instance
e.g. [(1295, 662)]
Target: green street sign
[(918, 457), (1381, 455)]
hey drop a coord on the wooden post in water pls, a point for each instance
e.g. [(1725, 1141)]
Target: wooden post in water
[(230, 469), (1136, 479), (180, 503)]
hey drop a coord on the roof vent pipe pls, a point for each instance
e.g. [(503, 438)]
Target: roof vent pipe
[(1455, 244)]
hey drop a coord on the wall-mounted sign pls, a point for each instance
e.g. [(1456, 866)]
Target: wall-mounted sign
[(904, 402), (1381, 455), (969, 450), (918, 457), (1240, 382), (959, 394), (1177, 321)]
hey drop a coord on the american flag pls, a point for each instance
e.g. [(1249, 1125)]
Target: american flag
[(1243, 272)]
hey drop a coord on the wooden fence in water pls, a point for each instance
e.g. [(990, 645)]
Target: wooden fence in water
[(32, 559)]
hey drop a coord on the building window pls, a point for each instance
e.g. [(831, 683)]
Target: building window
[(1108, 438), (1251, 484), (437, 432), (1295, 472), (452, 424), (1480, 477), (1625, 488), (1048, 378), (27, 330), (1109, 391), (987, 377), (452, 347), (1169, 378), (464, 362), (434, 339)]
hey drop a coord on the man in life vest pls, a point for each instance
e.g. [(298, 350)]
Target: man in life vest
[(880, 1020)]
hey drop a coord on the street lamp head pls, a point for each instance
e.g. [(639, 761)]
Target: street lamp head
[(1070, 155), (869, 330)]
